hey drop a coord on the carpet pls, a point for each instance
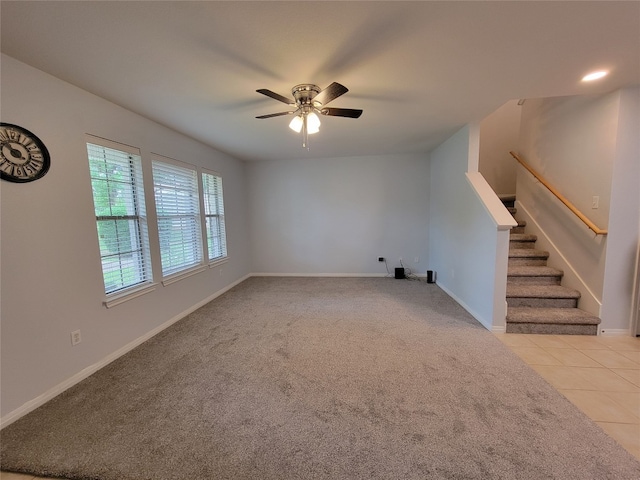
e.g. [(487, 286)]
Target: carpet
[(316, 378)]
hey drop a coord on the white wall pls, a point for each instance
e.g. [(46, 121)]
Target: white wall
[(587, 146), (468, 230), (337, 216), (499, 134), (51, 274), (624, 219), (571, 142)]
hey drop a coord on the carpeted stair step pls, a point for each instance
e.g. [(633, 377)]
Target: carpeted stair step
[(541, 296), (520, 227), (556, 321), (522, 240), (537, 302), (533, 275), (527, 256), (508, 200)]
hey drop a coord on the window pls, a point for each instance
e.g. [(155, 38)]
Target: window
[(214, 216), (178, 209), (118, 197)]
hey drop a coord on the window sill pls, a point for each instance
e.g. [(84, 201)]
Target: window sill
[(218, 261), (176, 277), (117, 299)]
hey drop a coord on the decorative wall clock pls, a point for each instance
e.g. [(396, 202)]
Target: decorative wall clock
[(23, 156)]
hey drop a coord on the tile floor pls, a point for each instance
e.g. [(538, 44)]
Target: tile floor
[(600, 375)]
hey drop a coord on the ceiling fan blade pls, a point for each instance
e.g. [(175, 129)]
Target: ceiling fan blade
[(271, 115), (330, 93), (276, 96), (341, 112)]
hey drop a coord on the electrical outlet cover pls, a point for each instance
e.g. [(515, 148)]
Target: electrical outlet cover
[(76, 337)]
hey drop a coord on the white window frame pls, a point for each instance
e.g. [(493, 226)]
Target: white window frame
[(187, 197), (214, 209), (139, 234)]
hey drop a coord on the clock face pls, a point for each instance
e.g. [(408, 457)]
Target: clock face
[(23, 156)]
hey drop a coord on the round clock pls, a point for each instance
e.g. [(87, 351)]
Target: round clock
[(23, 156)]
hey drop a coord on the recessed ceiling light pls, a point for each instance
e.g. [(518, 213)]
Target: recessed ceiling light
[(595, 75)]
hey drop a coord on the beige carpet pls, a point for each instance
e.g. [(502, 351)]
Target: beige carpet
[(316, 378)]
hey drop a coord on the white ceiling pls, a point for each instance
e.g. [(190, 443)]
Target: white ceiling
[(419, 70)]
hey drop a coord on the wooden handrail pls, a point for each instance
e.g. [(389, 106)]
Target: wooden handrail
[(559, 196)]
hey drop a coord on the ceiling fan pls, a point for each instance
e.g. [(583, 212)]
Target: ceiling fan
[(308, 101)]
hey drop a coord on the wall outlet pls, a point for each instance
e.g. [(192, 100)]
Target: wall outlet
[(416, 260), (76, 338), (220, 271), (595, 202), (381, 259)]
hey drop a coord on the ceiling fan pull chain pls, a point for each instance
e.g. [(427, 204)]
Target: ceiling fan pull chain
[(305, 133)]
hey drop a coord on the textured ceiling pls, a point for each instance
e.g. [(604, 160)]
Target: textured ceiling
[(419, 70)]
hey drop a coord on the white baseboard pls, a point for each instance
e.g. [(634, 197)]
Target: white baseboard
[(474, 314), (340, 275), (588, 300), (614, 332), (364, 275), (90, 370)]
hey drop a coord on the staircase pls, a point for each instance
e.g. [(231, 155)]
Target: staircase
[(536, 300)]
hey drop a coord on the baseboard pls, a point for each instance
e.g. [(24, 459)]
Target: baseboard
[(474, 314), (614, 332), (40, 400), (342, 275), (588, 300), (359, 275)]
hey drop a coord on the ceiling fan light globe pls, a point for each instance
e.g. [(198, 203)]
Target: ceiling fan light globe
[(296, 124), (313, 123)]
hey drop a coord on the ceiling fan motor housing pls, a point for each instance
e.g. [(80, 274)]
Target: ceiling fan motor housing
[(309, 98), (305, 93)]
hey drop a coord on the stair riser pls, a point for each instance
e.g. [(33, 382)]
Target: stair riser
[(531, 313), (542, 302), (552, 329), (517, 244), (528, 261), (537, 280)]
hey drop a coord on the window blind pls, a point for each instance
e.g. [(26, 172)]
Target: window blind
[(118, 197), (214, 216), (178, 210)]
